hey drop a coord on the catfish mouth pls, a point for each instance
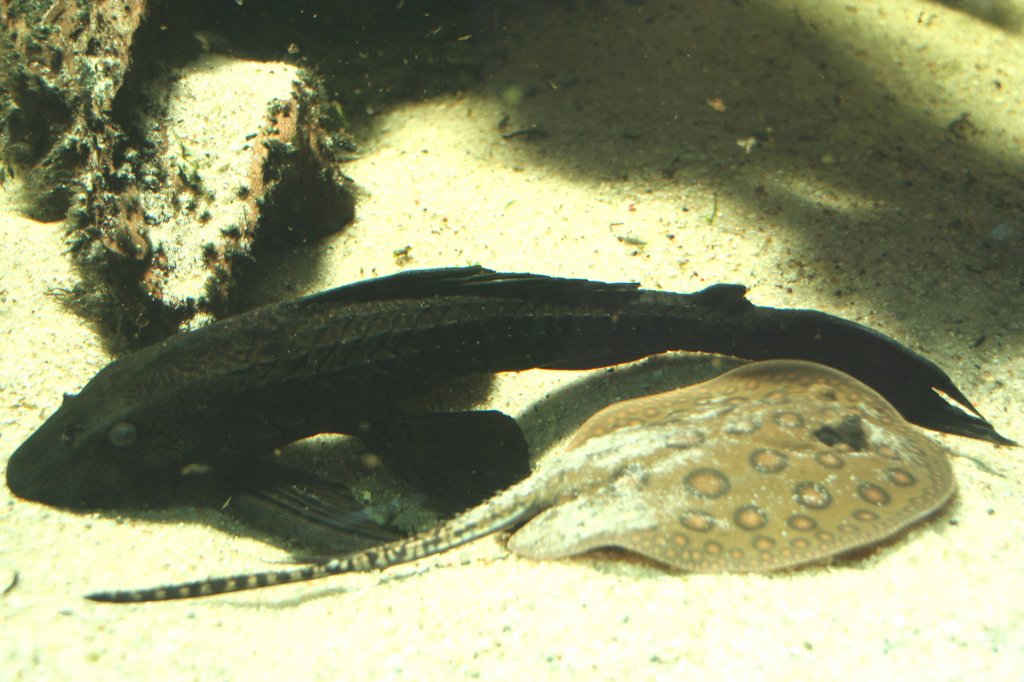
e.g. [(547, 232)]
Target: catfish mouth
[(91, 484), (121, 494), (30, 477)]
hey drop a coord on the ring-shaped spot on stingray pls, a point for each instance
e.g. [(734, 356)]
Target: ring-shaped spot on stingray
[(801, 522), (788, 420), (873, 494), (800, 543), (763, 543), (900, 477), (778, 396), (864, 515), (825, 537), (886, 452), (706, 483), (652, 412), (697, 520), (829, 460), (743, 426), (750, 517), (622, 421), (854, 398), (768, 461), (812, 495), (713, 548)]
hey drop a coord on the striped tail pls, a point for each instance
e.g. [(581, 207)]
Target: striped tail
[(474, 524)]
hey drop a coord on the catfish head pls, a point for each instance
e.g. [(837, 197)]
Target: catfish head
[(113, 445)]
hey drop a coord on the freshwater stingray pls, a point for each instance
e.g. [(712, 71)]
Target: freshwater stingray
[(771, 465)]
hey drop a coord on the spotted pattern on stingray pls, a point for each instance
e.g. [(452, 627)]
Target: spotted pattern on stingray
[(795, 462)]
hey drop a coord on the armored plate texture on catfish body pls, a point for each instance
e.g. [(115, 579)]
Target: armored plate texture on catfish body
[(771, 465)]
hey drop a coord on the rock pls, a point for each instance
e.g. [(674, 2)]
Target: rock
[(170, 163), (237, 153), (61, 66)]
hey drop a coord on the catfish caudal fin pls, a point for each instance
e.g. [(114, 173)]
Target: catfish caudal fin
[(908, 380), (507, 509)]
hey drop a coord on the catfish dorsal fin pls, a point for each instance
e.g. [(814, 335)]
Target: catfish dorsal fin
[(724, 297), (406, 284), (473, 281)]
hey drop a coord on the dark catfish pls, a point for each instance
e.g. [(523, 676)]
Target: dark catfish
[(214, 401)]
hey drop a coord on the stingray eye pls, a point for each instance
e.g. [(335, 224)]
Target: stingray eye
[(122, 434)]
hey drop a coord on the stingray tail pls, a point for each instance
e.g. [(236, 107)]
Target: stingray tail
[(510, 508)]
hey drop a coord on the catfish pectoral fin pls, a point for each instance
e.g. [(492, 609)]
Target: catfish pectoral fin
[(458, 459), (305, 510)]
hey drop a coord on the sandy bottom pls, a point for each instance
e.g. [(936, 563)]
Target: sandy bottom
[(860, 158)]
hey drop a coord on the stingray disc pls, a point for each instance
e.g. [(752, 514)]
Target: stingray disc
[(771, 465)]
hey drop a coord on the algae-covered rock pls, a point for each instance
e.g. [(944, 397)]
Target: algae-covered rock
[(232, 148), (62, 64), (167, 160)]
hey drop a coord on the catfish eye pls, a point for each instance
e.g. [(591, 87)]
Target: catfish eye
[(122, 434)]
